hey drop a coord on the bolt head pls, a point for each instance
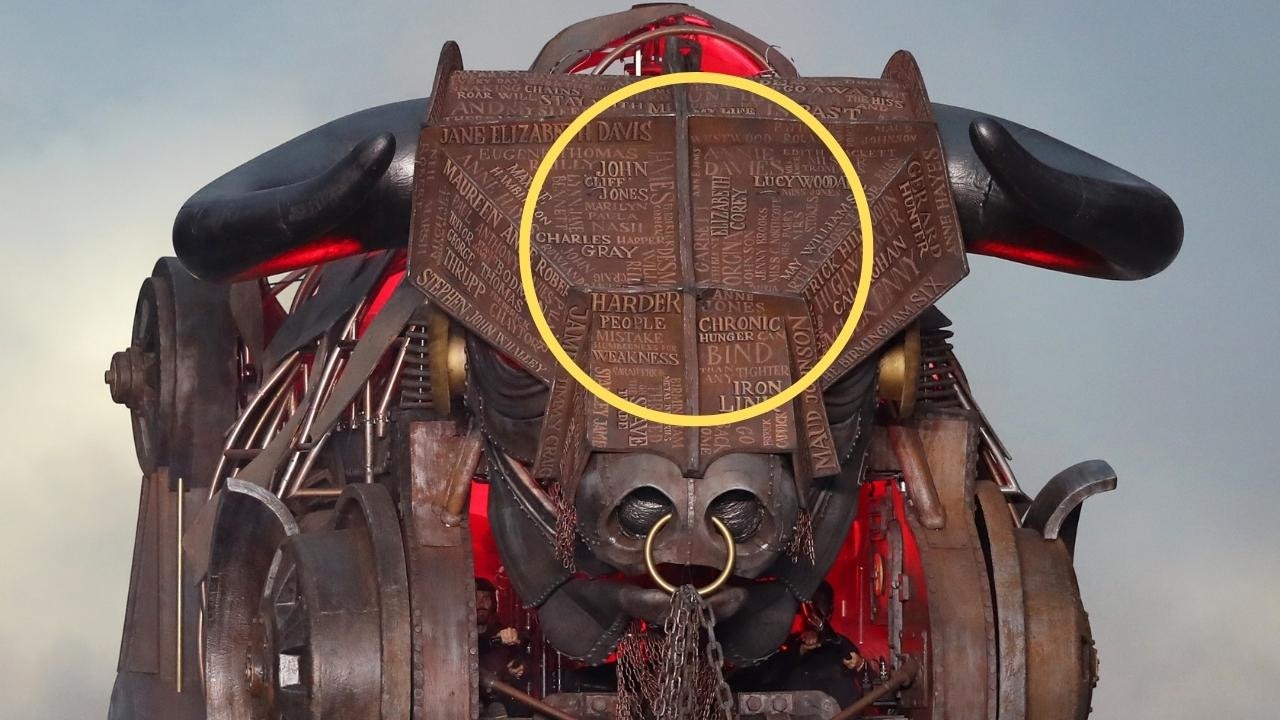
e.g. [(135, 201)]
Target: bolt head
[(255, 676), (127, 376)]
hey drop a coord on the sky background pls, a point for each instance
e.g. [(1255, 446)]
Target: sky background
[(112, 113)]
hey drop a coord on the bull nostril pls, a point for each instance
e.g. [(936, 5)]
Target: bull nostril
[(641, 509), (740, 511)]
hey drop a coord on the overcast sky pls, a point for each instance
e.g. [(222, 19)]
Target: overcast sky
[(112, 113)]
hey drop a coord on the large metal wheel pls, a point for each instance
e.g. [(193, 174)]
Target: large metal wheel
[(249, 526), (178, 375), (1001, 546), (134, 374), (1062, 664), (325, 633), (1048, 665)]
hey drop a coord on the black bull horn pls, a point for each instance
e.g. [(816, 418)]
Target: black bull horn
[(1025, 196), (1021, 195), (351, 178)]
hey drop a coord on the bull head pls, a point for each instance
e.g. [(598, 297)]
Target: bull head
[(557, 457)]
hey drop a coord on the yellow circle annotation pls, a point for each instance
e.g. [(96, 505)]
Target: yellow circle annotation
[(524, 249)]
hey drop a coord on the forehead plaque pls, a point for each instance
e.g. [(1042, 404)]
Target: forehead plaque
[(695, 248)]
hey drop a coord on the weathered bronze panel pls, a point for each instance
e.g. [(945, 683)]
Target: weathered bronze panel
[(710, 241)]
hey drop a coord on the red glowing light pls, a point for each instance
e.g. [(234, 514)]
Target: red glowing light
[(1041, 247), (317, 252), (382, 293), (718, 56)]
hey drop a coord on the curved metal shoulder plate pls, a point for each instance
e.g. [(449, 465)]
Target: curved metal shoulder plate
[(1056, 510)]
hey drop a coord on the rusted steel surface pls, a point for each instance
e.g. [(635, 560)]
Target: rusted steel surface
[(441, 574), (1007, 595), (1062, 663), (142, 645), (178, 375), (917, 476), (159, 673), (798, 705), (243, 534), (961, 669), (369, 508), (1055, 511)]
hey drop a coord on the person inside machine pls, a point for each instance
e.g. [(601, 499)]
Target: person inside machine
[(817, 657), (502, 653)]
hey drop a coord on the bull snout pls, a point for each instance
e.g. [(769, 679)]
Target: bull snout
[(750, 498)]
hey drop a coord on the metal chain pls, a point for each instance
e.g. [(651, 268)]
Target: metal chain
[(632, 654), (801, 544), (670, 702), (715, 659), (566, 539), (672, 676)]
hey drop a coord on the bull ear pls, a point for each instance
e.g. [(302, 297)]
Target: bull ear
[(219, 235)]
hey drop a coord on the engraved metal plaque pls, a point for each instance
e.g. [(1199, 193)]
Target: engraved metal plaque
[(695, 248)]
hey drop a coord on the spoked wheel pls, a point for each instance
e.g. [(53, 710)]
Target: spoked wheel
[(314, 499), (329, 636), (250, 525)]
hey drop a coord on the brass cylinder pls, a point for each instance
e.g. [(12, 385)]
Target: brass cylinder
[(900, 371)]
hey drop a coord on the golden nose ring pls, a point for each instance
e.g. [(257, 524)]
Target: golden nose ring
[(730, 557)]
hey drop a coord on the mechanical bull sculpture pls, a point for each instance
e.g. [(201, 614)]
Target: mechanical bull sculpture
[(344, 416)]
